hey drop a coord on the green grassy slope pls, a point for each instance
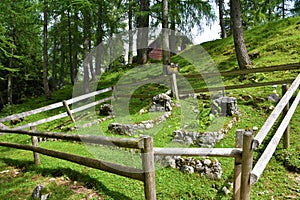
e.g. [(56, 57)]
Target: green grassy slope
[(276, 43)]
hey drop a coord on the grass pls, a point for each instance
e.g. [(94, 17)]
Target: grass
[(277, 43)]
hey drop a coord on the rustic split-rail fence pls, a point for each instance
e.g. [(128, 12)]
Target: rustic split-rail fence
[(245, 174)]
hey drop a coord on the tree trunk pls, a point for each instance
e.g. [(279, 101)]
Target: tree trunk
[(54, 77), (85, 52), (165, 38), (71, 67), (76, 46), (283, 9), (238, 35), (143, 26), (45, 33), (9, 90), (99, 37), (172, 27), (130, 49), (221, 18)]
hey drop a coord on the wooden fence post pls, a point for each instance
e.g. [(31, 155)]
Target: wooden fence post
[(148, 168), (238, 166), (114, 91), (247, 162), (69, 111), (35, 142), (286, 137), (174, 82)]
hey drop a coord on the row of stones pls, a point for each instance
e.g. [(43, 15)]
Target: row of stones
[(130, 129), (211, 169), (206, 139)]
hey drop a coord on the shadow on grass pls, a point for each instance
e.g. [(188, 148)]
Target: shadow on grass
[(85, 179)]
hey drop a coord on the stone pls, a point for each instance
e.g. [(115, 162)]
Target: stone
[(224, 106), (106, 110), (207, 162), (121, 129), (225, 190), (273, 98), (187, 169), (36, 194)]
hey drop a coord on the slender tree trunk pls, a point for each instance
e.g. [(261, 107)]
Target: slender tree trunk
[(45, 33), (283, 9), (143, 26), (62, 63), (76, 46), (165, 38), (9, 90), (85, 52), (99, 37), (238, 35), (173, 42), (71, 67), (221, 18), (54, 77), (130, 50)]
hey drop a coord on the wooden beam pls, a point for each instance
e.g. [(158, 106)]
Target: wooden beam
[(275, 114), (270, 149), (220, 152), (53, 106), (234, 87), (136, 143), (247, 162), (129, 172), (238, 166), (293, 66)]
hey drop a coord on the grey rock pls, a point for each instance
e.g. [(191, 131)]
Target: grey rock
[(187, 169), (273, 98), (106, 109), (36, 194)]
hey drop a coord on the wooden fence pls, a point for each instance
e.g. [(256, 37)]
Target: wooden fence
[(65, 103), (246, 143), (144, 144)]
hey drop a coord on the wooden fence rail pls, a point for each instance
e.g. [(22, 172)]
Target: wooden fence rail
[(275, 114), (270, 149), (145, 144), (57, 105)]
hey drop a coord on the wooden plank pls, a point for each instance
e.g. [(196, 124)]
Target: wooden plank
[(247, 162), (62, 115), (270, 149), (136, 143), (233, 87), (35, 142), (129, 172), (53, 106), (286, 138), (90, 105), (69, 111), (148, 168), (42, 121), (275, 114), (85, 96), (32, 112), (238, 166), (219, 152), (293, 66)]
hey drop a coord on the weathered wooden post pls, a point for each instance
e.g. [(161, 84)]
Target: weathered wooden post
[(238, 166), (114, 91), (173, 69), (35, 142), (247, 162), (69, 111), (286, 136), (148, 168)]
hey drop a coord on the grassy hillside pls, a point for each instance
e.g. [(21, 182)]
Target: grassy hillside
[(270, 44)]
